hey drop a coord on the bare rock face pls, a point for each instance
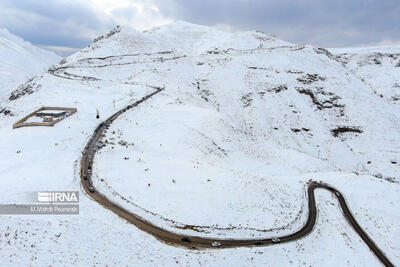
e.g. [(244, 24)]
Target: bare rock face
[(398, 64)]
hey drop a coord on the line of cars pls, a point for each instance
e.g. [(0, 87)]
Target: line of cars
[(89, 148), (274, 240)]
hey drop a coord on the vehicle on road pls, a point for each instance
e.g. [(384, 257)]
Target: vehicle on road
[(276, 240), (186, 239), (258, 243), (85, 177), (91, 189), (215, 244)]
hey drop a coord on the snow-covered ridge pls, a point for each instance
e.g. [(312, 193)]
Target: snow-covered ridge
[(180, 37), (393, 49), (20, 60)]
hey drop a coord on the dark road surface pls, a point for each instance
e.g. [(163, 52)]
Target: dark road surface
[(196, 241)]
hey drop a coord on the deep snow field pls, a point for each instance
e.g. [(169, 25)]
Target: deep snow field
[(224, 151), (20, 60)]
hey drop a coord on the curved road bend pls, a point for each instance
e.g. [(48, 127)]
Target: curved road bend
[(196, 241)]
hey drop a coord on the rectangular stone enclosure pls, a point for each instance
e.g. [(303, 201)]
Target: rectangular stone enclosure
[(45, 116)]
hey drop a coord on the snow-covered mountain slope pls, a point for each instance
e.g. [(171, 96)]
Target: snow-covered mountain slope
[(377, 67), (20, 60), (225, 150)]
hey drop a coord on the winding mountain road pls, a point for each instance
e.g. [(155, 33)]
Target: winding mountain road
[(196, 241)]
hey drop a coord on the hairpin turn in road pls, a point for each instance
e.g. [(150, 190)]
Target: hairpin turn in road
[(196, 241)]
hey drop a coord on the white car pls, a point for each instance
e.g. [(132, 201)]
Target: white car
[(215, 244), (276, 240)]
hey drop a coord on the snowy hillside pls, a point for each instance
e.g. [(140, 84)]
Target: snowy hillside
[(377, 67), (225, 150), (20, 60)]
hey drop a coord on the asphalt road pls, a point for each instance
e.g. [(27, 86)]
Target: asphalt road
[(201, 242)]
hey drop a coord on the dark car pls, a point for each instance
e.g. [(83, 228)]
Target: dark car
[(186, 239), (258, 242), (91, 189)]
